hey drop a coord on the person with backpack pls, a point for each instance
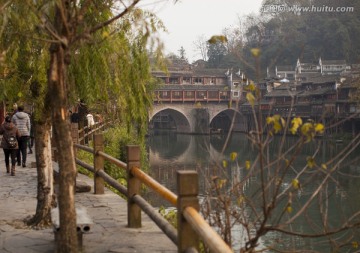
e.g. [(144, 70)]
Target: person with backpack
[(9, 143), (22, 121)]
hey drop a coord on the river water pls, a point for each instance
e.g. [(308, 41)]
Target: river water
[(210, 157)]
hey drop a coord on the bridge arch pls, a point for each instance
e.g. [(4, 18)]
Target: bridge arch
[(170, 118), (223, 120)]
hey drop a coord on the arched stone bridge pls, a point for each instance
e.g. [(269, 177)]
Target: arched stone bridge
[(198, 118)]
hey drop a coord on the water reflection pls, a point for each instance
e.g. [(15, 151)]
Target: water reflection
[(169, 152)]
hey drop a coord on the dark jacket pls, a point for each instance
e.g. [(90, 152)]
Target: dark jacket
[(8, 128)]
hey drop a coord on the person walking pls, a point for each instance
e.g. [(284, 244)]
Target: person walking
[(90, 120), (22, 121), (31, 139), (9, 143)]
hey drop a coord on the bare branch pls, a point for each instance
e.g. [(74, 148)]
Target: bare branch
[(126, 10), (327, 233)]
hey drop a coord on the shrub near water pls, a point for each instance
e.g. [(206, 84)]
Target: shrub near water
[(115, 141)]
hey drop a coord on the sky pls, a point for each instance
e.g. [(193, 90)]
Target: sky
[(187, 20)]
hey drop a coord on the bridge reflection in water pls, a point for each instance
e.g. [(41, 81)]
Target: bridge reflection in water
[(169, 152)]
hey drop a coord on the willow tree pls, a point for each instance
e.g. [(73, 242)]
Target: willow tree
[(97, 51), (24, 80)]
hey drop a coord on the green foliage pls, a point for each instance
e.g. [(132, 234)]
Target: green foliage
[(24, 78), (108, 65), (170, 215), (115, 68), (87, 158), (216, 53), (283, 37), (115, 141), (23, 60)]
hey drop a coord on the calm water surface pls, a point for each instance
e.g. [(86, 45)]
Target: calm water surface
[(169, 152)]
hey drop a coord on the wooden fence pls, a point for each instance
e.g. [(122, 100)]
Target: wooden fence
[(191, 226)]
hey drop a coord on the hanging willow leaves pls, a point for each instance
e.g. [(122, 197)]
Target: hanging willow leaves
[(117, 70)]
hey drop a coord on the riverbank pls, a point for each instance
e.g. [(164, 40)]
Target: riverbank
[(108, 234)]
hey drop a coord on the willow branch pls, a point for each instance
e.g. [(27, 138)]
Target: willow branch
[(126, 10)]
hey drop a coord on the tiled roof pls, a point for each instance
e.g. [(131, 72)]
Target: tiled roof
[(318, 77), (333, 62), (321, 91), (285, 68), (308, 64), (209, 72), (281, 93), (323, 79), (172, 73)]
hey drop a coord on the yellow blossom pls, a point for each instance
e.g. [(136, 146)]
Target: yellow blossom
[(105, 34), (319, 128), (240, 200), (295, 124), (270, 120), (217, 38), (233, 156), (355, 244), (255, 52), (247, 165), (221, 183), (251, 86), (295, 183), (310, 161), (224, 163), (250, 97)]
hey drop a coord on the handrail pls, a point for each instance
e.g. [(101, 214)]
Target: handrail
[(207, 234), (85, 148), (107, 178), (154, 185), (113, 160), (163, 224), (82, 133), (135, 177)]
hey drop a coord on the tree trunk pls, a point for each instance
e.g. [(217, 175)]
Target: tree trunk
[(45, 189), (67, 237), (67, 241)]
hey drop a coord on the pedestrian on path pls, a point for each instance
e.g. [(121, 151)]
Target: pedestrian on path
[(9, 143), (90, 120), (22, 121), (31, 139)]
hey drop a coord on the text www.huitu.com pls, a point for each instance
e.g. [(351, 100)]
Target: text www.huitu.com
[(274, 8)]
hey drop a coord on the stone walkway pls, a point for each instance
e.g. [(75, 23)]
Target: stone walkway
[(108, 234)]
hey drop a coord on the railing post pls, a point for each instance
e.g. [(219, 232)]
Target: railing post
[(75, 132), (188, 189), (82, 136), (98, 164), (134, 186)]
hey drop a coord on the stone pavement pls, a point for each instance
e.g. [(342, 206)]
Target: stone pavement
[(108, 233)]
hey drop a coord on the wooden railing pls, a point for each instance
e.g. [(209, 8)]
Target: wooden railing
[(191, 226), (86, 133), (191, 95)]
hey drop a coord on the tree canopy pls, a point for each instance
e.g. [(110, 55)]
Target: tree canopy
[(283, 37)]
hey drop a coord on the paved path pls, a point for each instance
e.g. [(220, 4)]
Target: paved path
[(109, 232)]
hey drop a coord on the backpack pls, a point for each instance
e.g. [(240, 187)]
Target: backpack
[(11, 140)]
